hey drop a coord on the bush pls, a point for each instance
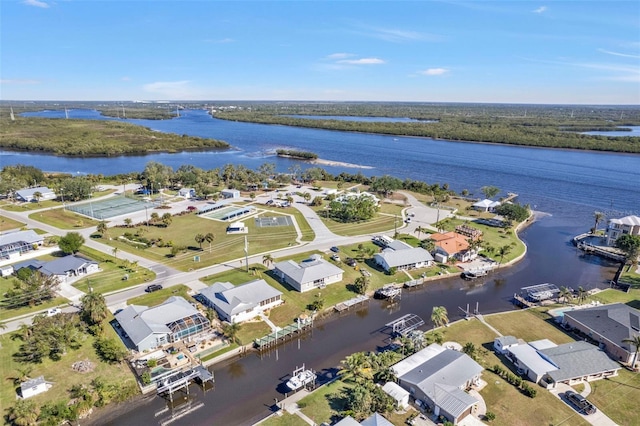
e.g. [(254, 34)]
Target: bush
[(489, 416), (110, 350)]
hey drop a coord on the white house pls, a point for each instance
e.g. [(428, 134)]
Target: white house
[(230, 193), (242, 302), (28, 194), (503, 343), (486, 205), (625, 225), (342, 198), (237, 228), (312, 273), (187, 193), (14, 244), (33, 387), (401, 256), (399, 395), (71, 266)]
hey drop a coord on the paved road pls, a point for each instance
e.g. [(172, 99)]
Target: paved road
[(167, 276)]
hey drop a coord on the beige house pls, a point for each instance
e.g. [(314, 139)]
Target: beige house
[(625, 225)]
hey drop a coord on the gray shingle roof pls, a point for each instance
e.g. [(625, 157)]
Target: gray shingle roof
[(68, 263), (613, 322), (507, 340), (234, 299), (308, 270), (28, 236), (578, 359), (376, 420)]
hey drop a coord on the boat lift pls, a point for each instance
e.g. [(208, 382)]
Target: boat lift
[(405, 324)]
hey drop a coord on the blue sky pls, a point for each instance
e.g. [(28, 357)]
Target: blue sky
[(572, 52)]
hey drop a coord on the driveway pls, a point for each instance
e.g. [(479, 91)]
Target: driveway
[(597, 419)]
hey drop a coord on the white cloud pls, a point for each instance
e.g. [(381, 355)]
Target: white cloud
[(624, 55), (170, 89), (340, 55), (541, 9), (19, 81), (434, 71), (36, 3), (362, 61)]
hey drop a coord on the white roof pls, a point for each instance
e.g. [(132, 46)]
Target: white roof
[(486, 203), (395, 391), (233, 299), (237, 225), (28, 236), (528, 355), (308, 270), (543, 344), (28, 192), (627, 220), (417, 359), (407, 256)]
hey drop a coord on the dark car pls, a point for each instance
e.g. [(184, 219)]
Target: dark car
[(580, 402), (334, 249), (153, 287)]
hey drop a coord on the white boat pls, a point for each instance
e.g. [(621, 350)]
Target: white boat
[(473, 274), (300, 378)]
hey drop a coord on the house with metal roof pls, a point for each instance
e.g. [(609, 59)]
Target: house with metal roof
[(545, 362), (172, 321), (401, 255), (64, 268), (375, 419), (625, 225), (28, 194), (242, 302), (33, 387), (14, 244), (399, 395), (609, 325), (503, 343), (438, 377), (309, 274)]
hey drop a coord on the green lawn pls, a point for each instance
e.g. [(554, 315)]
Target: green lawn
[(8, 223), (611, 295), (63, 219), (183, 230), (379, 223), (58, 372), (157, 297), (286, 419), (618, 397), (251, 330), (321, 406), (519, 325)]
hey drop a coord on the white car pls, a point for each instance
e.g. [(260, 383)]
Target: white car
[(53, 311)]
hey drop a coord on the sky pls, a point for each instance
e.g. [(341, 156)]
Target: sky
[(549, 52)]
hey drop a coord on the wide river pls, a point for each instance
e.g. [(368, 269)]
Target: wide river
[(566, 185)]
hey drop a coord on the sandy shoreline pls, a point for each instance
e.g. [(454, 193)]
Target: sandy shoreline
[(338, 164)]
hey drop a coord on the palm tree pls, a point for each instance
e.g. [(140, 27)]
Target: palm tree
[(306, 197), (503, 251), (598, 216), (102, 227), (565, 294), (94, 307), (24, 413), (37, 195), (128, 222), (167, 219), (115, 252), (439, 316), (635, 341), (419, 230), (200, 239), (357, 367), (267, 260), (230, 331), (209, 237), (582, 294)]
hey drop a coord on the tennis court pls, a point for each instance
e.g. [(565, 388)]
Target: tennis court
[(266, 221), (111, 207), (228, 212)]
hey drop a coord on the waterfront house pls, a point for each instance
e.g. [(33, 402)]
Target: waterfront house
[(438, 377), (14, 244), (242, 302), (401, 256), (452, 244), (608, 325), (28, 194), (503, 343), (486, 205), (309, 274), (399, 395), (625, 225), (33, 387), (170, 322), (545, 362), (376, 419)]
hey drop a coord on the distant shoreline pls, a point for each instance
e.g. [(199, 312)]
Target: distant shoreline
[(322, 162)]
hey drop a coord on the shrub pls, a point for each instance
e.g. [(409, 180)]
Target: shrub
[(489, 416)]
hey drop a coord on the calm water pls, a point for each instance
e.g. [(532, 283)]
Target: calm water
[(568, 185), (635, 132), (362, 119)]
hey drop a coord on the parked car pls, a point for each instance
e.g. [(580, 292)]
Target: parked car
[(153, 287), (53, 311), (335, 257), (580, 402), (334, 249), (351, 262)]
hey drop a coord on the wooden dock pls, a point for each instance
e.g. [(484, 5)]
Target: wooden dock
[(286, 333), (343, 306), (522, 302)]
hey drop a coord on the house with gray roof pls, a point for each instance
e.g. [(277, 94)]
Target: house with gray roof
[(64, 268), (33, 387), (401, 255), (309, 274), (503, 343), (549, 364), (14, 244), (375, 419), (172, 321), (28, 194), (242, 302), (438, 378), (609, 325)]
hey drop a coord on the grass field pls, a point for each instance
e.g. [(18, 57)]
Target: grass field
[(63, 219), (379, 223), (7, 224), (518, 324), (57, 372), (618, 397), (317, 406)]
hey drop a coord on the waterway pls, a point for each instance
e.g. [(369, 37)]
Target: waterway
[(567, 185)]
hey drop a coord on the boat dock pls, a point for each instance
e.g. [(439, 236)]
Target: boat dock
[(181, 379), (286, 333), (405, 324), (522, 302), (343, 306), (389, 291)]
